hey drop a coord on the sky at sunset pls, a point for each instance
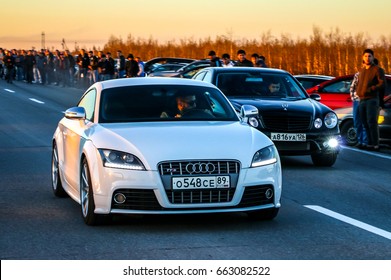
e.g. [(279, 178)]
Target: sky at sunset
[(91, 23)]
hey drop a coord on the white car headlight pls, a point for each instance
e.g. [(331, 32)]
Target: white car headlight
[(121, 160), (331, 120), (265, 156)]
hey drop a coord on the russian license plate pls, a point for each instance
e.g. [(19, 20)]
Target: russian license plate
[(288, 137), (204, 182)]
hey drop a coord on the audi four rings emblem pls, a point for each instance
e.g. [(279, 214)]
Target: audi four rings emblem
[(200, 167)]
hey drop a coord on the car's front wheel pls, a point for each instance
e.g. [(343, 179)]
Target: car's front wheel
[(87, 197), (58, 190), (264, 214), (324, 159), (348, 133)]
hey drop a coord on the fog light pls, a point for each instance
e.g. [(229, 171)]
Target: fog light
[(331, 143), (119, 198), (269, 193)]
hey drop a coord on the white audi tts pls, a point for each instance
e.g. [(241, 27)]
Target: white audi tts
[(163, 146)]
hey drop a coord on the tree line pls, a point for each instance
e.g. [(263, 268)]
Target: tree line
[(333, 53)]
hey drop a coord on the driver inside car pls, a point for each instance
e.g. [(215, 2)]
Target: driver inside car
[(187, 107)]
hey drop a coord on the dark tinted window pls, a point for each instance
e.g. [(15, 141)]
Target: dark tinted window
[(159, 103), (262, 85)]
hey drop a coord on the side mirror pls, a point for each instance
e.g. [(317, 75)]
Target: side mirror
[(315, 96), (75, 113), (249, 114), (247, 111)]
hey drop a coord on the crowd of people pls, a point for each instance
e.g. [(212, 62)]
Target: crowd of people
[(63, 69)]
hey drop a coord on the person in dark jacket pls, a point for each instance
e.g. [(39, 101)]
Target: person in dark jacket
[(9, 63), (242, 60), (370, 83), (29, 62), (214, 59), (131, 66)]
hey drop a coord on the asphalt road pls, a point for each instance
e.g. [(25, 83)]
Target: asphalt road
[(336, 213)]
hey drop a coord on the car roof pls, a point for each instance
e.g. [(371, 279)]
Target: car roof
[(314, 76), (246, 69), (149, 81)]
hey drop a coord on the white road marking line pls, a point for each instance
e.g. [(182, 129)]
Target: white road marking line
[(351, 221), (36, 100), (9, 90), (367, 152)]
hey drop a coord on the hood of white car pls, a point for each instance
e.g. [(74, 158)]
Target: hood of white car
[(161, 141)]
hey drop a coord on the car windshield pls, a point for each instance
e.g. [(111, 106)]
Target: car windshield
[(164, 103), (261, 85)]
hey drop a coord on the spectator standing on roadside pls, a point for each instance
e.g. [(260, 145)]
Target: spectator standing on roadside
[(111, 66), (362, 140), (42, 65), (50, 67), (121, 66), (29, 62), (36, 72), (103, 67), (83, 62), (262, 62), (93, 75), (141, 72), (242, 60), (131, 66), (71, 69), (227, 62), (19, 64), (9, 63), (370, 82), (214, 59)]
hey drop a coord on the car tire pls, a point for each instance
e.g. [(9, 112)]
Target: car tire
[(324, 159), (264, 214), (348, 133), (58, 190), (87, 198)]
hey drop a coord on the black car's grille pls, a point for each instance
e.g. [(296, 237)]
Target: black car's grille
[(137, 199), (175, 168), (286, 123)]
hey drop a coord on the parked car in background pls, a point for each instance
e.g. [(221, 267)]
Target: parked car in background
[(348, 132), (158, 67), (121, 152), (162, 60), (335, 93), (186, 71), (293, 120), (310, 80)]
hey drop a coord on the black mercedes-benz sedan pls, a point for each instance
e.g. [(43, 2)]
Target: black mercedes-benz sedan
[(296, 122)]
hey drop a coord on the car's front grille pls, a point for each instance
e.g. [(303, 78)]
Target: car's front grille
[(286, 123), (138, 199), (175, 168), (201, 168), (200, 196)]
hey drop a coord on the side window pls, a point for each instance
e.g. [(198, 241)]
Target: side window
[(199, 76), (341, 86), (88, 102), (208, 77)]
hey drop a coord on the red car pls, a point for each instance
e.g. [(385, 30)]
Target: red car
[(335, 93)]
